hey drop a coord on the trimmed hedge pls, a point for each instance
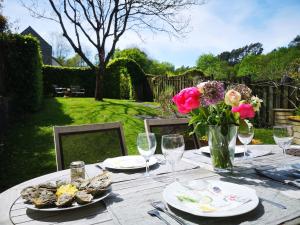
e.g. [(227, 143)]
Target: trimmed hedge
[(123, 79), (67, 76), (22, 71)]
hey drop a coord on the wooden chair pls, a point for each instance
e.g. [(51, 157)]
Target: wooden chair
[(89, 143), (171, 126)]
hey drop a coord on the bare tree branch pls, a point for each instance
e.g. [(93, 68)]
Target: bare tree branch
[(103, 22)]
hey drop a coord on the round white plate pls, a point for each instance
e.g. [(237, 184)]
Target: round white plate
[(238, 149), (75, 205), (171, 191), (130, 162)]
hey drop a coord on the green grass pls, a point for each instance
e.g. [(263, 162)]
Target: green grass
[(29, 149)]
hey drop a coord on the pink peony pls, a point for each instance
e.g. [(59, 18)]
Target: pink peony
[(245, 110), (187, 100)]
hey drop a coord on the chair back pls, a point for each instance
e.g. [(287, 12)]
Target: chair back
[(89, 143), (172, 126)]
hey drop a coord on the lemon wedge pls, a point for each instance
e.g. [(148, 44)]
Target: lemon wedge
[(66, 189)]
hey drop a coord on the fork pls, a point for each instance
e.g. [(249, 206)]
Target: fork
[(159, 205), (155, 213)]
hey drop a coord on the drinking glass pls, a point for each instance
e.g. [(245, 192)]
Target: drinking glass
[(146, 144), (283, 136), (245, 135), (172, 146)]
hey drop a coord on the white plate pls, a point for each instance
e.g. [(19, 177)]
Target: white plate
[(130, 162), (171, 191), (74, 206), (238, 149)]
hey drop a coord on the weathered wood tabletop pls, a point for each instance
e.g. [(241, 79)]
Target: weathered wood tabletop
[(133, 193)]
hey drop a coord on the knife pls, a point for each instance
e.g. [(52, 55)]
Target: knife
[(273, 203)]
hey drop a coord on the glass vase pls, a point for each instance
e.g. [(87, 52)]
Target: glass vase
[(221, 141)]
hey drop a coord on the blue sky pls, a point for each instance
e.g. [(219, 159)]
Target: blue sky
[(217, 26)]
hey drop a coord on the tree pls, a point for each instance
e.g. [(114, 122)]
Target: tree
[(137, 55), (295, 42), (161, 68), (211, 65), (103, 23), (4, 26), (236, 55), (60, 48)]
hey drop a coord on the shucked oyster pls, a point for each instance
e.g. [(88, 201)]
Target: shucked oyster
[(50, 186), (99, 184), (29, 193), (64, 200), (82, 197), (45, 199), (81, 184)]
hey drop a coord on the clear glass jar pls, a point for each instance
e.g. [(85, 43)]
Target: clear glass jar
[(77, 170)]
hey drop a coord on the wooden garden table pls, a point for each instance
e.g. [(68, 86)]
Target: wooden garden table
[(133, 193)]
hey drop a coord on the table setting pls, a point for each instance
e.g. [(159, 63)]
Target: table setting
[(222, 183)]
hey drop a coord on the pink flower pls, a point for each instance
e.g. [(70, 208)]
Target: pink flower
[(245, 110), (187, 100)]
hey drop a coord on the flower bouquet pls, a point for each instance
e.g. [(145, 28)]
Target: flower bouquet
[(219, 113)]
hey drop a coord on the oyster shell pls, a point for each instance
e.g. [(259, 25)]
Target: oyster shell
[(99, 184), (81, 184), (45, 199), (29, 193), (50, 186), (82, 197), (64, 200)]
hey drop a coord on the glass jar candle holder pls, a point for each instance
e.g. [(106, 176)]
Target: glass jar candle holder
[(77, 169)]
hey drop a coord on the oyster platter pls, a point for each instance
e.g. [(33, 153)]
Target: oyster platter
[(60, 195)]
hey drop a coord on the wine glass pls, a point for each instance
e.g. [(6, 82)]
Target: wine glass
[(146, 144), (245, 135), (172, 146), (283, 136)]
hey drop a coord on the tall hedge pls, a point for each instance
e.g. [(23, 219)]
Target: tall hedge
[(123, 79), (21, 71), (67, 76)]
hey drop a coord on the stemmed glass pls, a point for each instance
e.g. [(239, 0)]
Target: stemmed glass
[(283, 136), (146, 144), (245, 135), (172, 146)]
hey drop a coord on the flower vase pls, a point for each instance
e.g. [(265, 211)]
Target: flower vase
[(221, 141)]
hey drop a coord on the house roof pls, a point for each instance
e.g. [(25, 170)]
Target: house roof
[(30, 30)]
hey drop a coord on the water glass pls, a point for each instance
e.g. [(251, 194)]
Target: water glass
[(172, 146), (146, 144), (245, 135), (283, 137)]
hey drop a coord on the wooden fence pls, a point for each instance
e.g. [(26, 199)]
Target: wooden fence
[(272, 94)]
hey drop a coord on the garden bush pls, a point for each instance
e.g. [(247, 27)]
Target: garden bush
[(67, 76), (123, 79), (22, 71)]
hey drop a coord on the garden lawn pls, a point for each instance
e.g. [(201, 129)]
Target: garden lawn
[(29, 149)]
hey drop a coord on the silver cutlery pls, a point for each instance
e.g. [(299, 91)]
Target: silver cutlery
[(155, 212), (273, 203), (159, 205), (100, 167)]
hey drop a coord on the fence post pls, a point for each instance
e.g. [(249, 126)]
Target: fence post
[(271, 113)]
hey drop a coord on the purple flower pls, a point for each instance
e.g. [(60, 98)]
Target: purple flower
[(213, 92)]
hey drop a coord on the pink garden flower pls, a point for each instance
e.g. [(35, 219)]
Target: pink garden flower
[(187, 99), (245, 110)]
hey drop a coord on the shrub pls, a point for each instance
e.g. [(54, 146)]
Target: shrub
[(123, 79), (22, 63), (67, 76)]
